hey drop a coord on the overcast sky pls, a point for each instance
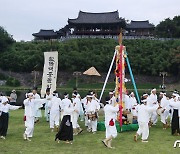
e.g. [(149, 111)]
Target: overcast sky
[(21, 18)]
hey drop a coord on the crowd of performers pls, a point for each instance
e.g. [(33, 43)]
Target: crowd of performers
[(63, 114)]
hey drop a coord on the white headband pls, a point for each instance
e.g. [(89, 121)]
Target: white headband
[(145, 95), (90, 96)]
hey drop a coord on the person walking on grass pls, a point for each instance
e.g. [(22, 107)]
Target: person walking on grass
[(175, 123), (65, 132), (110, 117), (13, 98), (144, 111), (4, 116), (29, 115), (55, 107)]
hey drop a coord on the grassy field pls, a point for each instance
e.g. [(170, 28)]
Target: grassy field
[(160, 141)]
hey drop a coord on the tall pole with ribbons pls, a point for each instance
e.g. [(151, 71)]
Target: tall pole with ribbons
[(120, 75)]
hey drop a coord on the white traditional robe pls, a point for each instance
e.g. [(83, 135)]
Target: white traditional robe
[(84, 102), (7, 107), (127, 102), (143, 119), (133, 104), (47, 111), (37, 106), (29, 113), (165, 106), (65, 102), (54, 107), (110, 114), (75, 114), (92, 107), (152, 101)]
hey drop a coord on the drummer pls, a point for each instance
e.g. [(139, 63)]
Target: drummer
[(92, 107)]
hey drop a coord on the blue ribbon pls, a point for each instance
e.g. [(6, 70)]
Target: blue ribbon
[(132, 77)]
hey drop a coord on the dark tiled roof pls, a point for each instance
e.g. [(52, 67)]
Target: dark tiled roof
[(45, 33), (94, 18), (139, 24)]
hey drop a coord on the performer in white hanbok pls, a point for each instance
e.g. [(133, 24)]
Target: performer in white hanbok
[(92, 109), (143, 119), (65, 102), (175, 123), (110, 111), (65, 130), (164, 103), (112, 98), (127, 102), (38, 113), (75, 114), (48, 98), (152, 101), (133, 103), (4, 115), (29, 114), (84, 103), (55, 107)]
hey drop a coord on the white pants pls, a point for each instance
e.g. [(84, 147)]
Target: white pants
[(86, 120), (29, 124), (143, 130), (74, 119), (62, 114), (154, 117), (46, 112), (164, 116), (92, 125), (54, 119), (111, 131)]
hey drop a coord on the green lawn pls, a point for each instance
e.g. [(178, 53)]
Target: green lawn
[(160, 141), (109, 86)]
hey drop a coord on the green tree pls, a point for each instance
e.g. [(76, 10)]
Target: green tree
[(169, 28), (6, 40)]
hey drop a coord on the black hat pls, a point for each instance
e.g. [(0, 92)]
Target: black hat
[(34, 88), (48, 89), (107, 100)]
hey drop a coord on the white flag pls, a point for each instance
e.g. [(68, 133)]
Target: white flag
[(50, 72)]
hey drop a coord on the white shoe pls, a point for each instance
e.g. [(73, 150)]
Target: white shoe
[(25, 136), (145, 141), (28, 139), (2, 137)]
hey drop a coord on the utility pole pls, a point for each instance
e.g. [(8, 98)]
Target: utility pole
[(163, 74), (77, 74)]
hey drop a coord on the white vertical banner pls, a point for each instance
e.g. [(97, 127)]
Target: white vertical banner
[(50, 71)]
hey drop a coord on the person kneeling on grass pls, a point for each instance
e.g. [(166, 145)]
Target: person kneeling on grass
[(4, 116), (144, 112), (110, 117)]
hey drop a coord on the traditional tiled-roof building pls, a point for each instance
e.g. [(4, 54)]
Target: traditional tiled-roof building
[(107, 23), (140, 28), (45, 35)]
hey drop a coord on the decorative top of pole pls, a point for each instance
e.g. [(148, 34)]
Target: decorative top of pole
[(120, 37)]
